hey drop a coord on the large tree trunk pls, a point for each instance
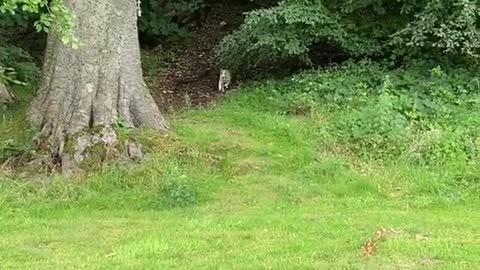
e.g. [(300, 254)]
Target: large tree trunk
[(96, 86)]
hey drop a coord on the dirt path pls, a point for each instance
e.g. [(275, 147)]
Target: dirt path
[(192, 78)]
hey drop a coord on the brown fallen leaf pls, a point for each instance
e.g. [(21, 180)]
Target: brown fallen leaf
[(369, 248)]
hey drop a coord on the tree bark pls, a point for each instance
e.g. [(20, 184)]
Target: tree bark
[(97, 85)]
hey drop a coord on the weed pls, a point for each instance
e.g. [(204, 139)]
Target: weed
[(178, 194)]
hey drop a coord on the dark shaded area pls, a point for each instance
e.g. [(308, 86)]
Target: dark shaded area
[(325, 53), (191, 78)]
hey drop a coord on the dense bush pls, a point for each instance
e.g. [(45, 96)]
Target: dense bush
[(17, 65), (48, 16), (423, 113), (166, 18), (358, 28), (21, 62), (15, 23)]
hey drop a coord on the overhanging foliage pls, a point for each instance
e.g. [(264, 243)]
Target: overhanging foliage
[(362, 28)]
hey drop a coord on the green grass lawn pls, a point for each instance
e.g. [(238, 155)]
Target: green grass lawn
[(239, 186), (249, 233)]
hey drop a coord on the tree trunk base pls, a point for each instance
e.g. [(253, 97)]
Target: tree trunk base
[(88, 91), (93, 148)]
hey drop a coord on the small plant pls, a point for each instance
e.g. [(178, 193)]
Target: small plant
[(376, 130), (8, 149), (175, 192), (301, 104), (440, 146), (178, 194), (122, 129), (8, 76)]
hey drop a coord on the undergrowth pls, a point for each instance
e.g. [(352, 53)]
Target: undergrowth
[(423, 114), (346, 131)]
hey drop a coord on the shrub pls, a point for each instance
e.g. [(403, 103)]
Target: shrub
[(293, 28), (376, 130), (21, 62), (178, 194), (167, 18), (427, 114), (174, 192), (12, 24), (285, 31), (438, 146)]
